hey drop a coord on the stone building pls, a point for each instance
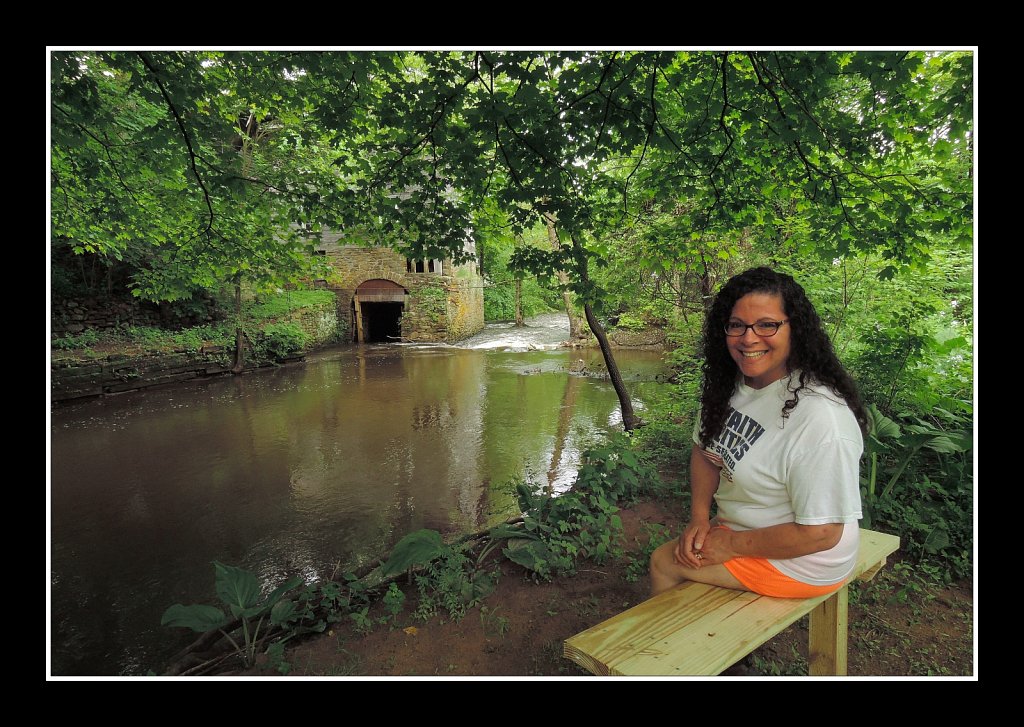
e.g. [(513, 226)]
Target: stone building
[(384, 297)]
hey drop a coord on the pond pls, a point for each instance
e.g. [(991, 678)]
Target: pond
[(304, 469)]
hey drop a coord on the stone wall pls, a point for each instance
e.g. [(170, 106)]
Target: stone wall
[(114, 374), (72, 380), (71, 317), (320, 322)]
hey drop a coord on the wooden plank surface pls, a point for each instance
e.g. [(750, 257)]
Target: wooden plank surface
[(695, 628)]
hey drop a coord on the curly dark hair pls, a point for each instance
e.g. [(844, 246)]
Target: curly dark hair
[(810, 350)]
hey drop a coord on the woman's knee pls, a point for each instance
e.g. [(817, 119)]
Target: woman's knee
[(663, 558)]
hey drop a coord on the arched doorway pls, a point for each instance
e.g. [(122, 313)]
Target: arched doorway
[(377, 311)]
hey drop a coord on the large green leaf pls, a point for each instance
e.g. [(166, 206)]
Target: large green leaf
[(276, 595), (502, 532), (937, 539), (238, 588), (950, 443), (281, 611), (532, 555), (196, 617), (882, 427), (415, 548)]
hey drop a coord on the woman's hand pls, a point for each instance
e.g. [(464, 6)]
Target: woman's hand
[(717, 546), (689, 548)]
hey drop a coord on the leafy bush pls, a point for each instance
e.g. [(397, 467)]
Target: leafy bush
[(85, 339), (276, 341), (630, 322), (277, 305), (582, 523)]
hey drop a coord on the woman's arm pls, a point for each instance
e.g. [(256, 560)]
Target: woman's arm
[(789, 540), (704, 478)]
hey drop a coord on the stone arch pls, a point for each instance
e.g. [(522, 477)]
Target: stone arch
[(377, 308)]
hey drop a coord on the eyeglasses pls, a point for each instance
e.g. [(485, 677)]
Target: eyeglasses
[(765, 329)]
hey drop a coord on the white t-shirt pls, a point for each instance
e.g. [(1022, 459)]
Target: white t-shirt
[(802, 469)]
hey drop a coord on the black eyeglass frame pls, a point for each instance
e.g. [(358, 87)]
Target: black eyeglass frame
[(753, 326)]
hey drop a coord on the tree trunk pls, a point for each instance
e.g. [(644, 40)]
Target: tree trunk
[(575, 324), (239, 334), (519, 302), (630, 420)]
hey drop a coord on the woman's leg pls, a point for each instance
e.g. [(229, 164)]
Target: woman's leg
[(666, 572)]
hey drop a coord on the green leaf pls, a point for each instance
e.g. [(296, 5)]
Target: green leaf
[(197, 617), (238, 588), (275, 595), (415, 548), (937, 539), (881, 426), (532, 555), (282, 611), (502, 532)]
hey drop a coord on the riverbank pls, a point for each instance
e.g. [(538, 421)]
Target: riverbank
[(898, 625)]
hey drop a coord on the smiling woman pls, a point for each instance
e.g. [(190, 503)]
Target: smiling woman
[(777, 449), (760, 349)]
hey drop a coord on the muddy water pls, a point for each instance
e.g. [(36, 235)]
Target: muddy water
[(297, 470)]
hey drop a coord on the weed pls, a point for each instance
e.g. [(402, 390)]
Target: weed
[(492, 623), (394, 601), (361, 620), (277, 661), (794, 665)]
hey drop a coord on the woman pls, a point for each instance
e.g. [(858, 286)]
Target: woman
[(778, 446)]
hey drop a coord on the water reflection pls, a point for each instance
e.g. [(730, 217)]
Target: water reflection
[(292, 471)]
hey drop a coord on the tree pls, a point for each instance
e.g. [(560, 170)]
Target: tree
[(833, 151), (869, 151), (201, 168)]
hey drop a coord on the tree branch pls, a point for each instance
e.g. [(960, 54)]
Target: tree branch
[(184, 134)]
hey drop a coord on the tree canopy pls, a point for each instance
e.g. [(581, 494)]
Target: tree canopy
[(210, 159)]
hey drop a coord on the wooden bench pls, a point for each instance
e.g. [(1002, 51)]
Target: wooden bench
[(697, 629)]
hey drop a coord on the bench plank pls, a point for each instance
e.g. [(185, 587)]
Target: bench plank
[(695, 628)]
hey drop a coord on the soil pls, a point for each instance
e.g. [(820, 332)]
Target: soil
[(897, 626)]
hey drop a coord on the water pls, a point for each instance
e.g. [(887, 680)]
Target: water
[(300, 470)]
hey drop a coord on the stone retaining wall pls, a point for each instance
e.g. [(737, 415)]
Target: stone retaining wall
[(70, 317), (74, 380), (320, 322), (77, 379), (646, 338)]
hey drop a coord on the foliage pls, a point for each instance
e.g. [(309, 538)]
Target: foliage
[(323, 603), (416, 548), (240, 591), (85, 339), (191, 167), (496, 247), (270, 340), (934, 518), (582, 523), (276, 341), (276, 305), (453, 582), (492, 623), (499, 300), (394, 601), (657, 535)]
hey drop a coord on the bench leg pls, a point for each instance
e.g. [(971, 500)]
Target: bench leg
[(828, 635)]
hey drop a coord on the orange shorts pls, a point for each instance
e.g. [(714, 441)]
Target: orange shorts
[(760, 576)]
